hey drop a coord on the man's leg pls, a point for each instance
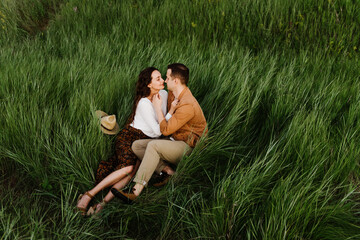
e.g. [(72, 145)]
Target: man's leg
[(171, 151), (139, 147)]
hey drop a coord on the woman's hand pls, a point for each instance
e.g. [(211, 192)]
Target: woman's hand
[(173, 106), (157, 101)]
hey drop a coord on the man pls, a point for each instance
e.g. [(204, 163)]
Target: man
[(186, 126)]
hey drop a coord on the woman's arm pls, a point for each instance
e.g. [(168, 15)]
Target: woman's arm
[(146, 112)]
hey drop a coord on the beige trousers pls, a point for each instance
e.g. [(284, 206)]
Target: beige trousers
[(154, 153)]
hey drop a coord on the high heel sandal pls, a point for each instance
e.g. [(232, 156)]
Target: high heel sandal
[(92, 209), (83, 210)]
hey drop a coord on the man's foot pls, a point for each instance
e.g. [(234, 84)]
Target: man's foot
[(127, 198), (162, 180)]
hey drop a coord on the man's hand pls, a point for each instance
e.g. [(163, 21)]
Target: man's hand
[(157, 101), (173, 106)]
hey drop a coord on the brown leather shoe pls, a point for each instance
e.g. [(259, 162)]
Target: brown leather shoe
[(163, 179), (126, 197)]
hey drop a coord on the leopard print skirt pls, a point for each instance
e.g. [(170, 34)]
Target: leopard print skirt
[(123, 156)]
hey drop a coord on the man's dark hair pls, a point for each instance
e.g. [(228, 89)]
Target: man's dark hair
[(180, 71)]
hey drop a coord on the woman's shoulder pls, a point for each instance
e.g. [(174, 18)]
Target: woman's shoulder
[(144, 102)]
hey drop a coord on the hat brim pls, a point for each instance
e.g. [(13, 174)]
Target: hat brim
[(114, 131), (100, 113)]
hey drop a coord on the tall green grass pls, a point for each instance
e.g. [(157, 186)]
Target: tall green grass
[(332, 26), (281, 160)]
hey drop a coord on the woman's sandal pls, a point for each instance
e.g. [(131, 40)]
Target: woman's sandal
[(92, 210), (83, 210)]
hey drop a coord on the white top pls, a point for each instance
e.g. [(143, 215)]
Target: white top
[(145, 117)]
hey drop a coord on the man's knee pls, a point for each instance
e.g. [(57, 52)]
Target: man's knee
[(154, 145), (136, 146)]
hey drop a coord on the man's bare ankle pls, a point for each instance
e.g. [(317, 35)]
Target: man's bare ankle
[(138, 189), (168, 170)]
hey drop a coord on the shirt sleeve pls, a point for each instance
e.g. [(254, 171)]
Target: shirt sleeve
[(147, 113), (181, 116), (168, 116)]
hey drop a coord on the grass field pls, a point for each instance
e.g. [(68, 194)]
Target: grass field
[(278, 82)]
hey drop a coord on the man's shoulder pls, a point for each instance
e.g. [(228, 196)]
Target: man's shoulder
[(189, 97)]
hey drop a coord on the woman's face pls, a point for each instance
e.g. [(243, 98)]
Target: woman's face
[(157, 83)]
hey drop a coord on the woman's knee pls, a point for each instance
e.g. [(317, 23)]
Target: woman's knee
[(129, 169)]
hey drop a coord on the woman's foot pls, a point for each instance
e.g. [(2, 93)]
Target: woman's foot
[(100, 207), (83, 202), (94, 210)]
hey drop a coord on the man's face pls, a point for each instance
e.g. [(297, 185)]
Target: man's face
[(157, 83), (170, 82)]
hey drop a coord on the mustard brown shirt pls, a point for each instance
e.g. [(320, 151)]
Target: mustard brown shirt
[(188, 122)]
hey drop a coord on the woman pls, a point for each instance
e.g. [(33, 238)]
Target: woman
[(118, 170)]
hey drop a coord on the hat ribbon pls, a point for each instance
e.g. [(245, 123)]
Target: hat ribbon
[(106, 128)]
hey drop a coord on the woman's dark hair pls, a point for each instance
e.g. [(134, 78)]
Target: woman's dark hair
[(142, 89)]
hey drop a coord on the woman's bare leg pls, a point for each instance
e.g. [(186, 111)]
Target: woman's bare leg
[(113, 178), (119, 185), (122, 183)]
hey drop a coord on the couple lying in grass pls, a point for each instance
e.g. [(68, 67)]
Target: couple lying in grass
[(181, 128)]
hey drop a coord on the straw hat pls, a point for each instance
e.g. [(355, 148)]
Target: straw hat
[(108, 123)]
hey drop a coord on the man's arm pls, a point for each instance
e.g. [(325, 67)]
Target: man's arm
[(182, 115)]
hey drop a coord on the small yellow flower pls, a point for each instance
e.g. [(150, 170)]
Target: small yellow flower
[(355, 48), (223, 13), (301, 17), (193, 24)]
